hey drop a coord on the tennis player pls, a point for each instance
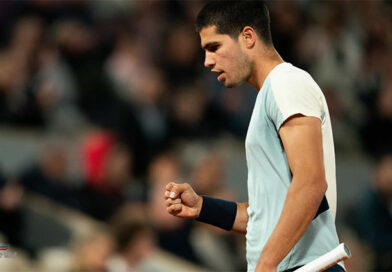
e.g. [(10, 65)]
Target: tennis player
[(289, 219)]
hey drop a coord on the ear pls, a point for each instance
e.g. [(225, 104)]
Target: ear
[(248, 35)]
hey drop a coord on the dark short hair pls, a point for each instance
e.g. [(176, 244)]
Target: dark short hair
[(230, 17), (127, 233)]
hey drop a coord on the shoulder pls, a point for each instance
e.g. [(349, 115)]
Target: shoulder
[(294, 91), (289, 80)]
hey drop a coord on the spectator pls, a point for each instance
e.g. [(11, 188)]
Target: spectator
[(107, 165), (377, 131), (188, 112), (11, 194), (50, 176), (135, 244), (374, 215), (92, 253), (109, 177), (181, 64)]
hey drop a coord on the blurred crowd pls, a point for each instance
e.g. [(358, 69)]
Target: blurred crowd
[(124, 83)]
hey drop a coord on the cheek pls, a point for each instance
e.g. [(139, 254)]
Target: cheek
[(236, 62), (229, 65), (243, 65)]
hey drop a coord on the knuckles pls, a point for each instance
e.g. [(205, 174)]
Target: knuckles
[(173, 203)]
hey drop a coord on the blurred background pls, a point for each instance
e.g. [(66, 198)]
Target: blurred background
[(104, 102)]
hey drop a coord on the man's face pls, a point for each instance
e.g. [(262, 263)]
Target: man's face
[(225, 56)]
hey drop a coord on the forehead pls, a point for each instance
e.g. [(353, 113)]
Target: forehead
[(209, 35)]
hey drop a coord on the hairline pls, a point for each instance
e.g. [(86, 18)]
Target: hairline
[(233, 36)]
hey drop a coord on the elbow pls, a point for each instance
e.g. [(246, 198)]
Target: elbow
[(313, 184), (318, 181), (323, 186), (319, 184), (320, 187), (318, 190)]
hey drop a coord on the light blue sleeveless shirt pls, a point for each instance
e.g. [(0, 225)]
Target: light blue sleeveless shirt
[(286, 91)]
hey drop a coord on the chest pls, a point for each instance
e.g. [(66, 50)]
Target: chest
[(262, 133)]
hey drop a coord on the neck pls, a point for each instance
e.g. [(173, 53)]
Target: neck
[(264, 62)]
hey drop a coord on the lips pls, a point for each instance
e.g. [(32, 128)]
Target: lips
[(220, 73), (220, 76)]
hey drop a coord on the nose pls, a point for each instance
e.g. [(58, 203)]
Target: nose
[(209, 61)]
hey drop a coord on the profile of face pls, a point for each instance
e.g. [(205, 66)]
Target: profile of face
[(225, 56)]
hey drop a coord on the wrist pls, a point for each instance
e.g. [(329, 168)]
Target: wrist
[(217, 212), (199, 205)]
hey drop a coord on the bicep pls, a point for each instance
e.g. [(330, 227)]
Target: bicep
[(302, 141)]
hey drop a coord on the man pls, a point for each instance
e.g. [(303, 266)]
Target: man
[(289, 146)]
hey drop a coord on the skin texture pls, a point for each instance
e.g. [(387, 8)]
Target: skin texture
[(226, 56), (248, 59)]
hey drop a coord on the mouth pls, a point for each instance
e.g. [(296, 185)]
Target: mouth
[(219, 75)]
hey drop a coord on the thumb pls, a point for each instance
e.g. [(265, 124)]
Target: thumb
[(178, 189)]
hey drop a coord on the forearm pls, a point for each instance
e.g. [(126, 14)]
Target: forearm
[(241, 218), (301, 204)]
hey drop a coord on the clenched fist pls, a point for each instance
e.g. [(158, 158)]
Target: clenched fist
[(182, 201)]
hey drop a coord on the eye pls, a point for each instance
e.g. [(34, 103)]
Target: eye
[(212, 47)]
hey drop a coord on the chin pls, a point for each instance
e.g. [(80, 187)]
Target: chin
[(232, 84)]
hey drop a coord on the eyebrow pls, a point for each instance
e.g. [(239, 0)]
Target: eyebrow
[(205, 47)]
